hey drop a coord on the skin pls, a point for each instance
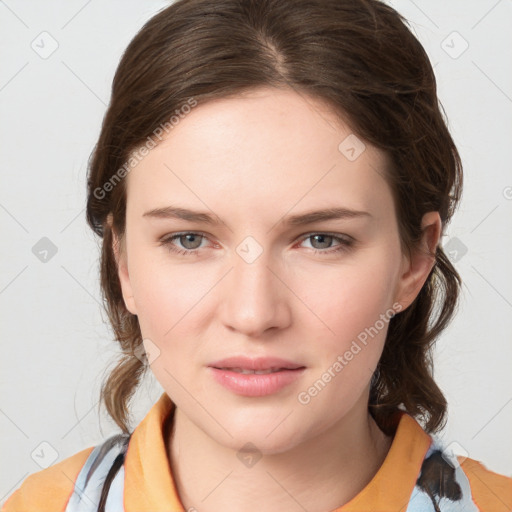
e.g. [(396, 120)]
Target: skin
[(250, 161)]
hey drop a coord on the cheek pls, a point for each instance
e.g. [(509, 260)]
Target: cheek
[(355, 303), (168, 299), (348, 298), (166, 294)]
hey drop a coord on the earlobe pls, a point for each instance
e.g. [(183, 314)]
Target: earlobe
[(123, 274), (418, 265)]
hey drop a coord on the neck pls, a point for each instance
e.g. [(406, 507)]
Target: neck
[(321, 474)]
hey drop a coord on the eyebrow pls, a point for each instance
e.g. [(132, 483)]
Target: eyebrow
[(173, 212)]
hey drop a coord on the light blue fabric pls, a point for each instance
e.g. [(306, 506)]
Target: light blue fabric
[(421, 502), (87, 491), (115, 502)]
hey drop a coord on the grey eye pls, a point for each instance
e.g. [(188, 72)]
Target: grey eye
[(190, 240), (324, 240)]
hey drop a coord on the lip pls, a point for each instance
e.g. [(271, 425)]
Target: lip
[(253, 384), (258, 363)]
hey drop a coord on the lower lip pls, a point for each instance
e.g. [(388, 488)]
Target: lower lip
[(253, 384)]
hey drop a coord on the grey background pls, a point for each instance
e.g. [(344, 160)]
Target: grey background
[(56, 344)]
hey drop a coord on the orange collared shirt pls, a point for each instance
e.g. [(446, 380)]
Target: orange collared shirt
[(148, 485)]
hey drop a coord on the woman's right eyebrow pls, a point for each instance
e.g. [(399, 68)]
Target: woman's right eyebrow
[(174, 212)]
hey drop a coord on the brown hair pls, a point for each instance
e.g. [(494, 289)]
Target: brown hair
[(359, 57)]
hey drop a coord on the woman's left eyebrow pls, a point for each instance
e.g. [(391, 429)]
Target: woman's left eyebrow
[(323, 215)]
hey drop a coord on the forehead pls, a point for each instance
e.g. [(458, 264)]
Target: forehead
[(266, 148)]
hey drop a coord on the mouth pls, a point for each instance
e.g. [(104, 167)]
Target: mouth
[(258, 365), (256, 377), (246, 371)]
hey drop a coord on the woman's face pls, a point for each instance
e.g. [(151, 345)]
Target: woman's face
[(253, 282)]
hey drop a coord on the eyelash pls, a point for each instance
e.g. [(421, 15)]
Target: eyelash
[(344, 243)]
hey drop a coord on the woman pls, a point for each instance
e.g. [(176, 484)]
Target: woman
[(271, 183)]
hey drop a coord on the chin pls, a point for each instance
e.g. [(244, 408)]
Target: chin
[(261, 444), (268, 437)]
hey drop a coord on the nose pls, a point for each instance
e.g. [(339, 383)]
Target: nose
[(254, 298)]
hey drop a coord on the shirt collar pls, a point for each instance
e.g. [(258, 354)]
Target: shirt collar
[(149, 484)]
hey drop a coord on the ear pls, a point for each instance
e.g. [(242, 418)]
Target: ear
[(119, 250), (417, 266)]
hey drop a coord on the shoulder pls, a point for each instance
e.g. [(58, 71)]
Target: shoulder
[(491, 491), (50, 488), (452, 482)]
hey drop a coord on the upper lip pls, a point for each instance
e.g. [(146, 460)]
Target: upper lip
[(258, 363)]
